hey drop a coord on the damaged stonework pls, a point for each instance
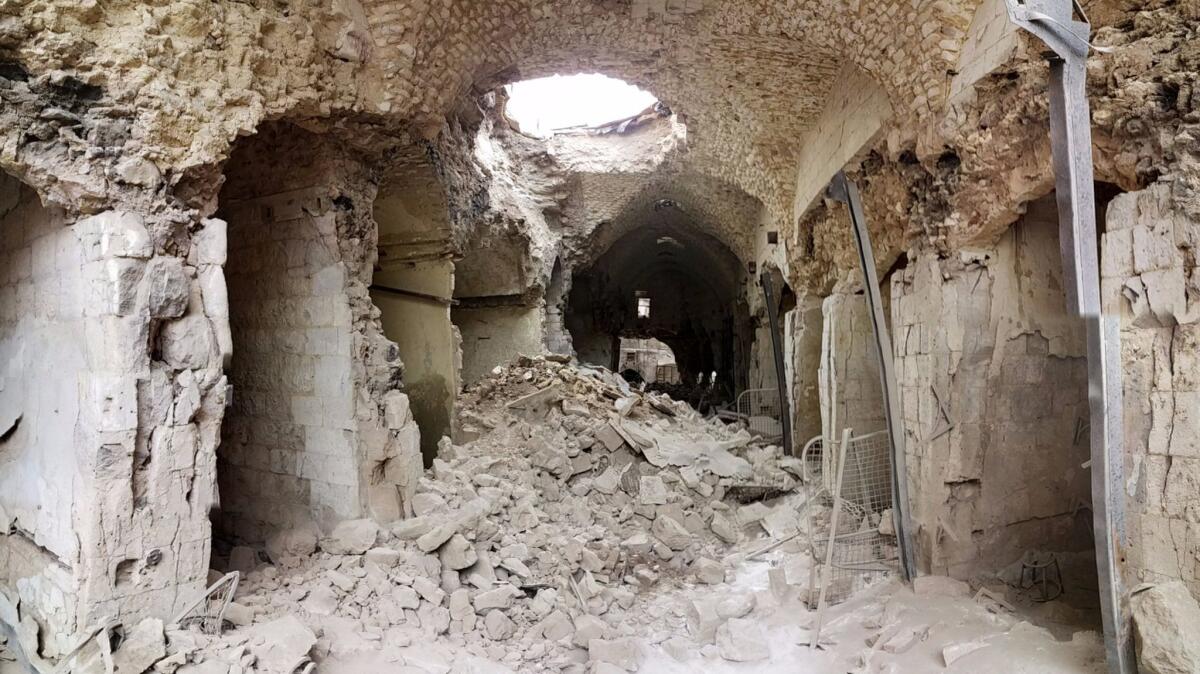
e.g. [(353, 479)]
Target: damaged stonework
[(1150, 280), (993, 384), (111, 518), (319, 430)]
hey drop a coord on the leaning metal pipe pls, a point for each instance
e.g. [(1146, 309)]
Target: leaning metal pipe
[(1053, 22), (844, 190), (785, 408)]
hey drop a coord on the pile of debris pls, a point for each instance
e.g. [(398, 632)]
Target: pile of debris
[(532, 543)]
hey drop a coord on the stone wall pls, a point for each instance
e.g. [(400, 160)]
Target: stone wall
[(426, 340), (993, 386), (496, 335), (43, 364), (112, 339), (802, 327), (318, 430), (850, 392), (1150, 280)]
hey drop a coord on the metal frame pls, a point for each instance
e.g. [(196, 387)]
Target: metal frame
[(785, 408), (1053, 22), (844, 190)]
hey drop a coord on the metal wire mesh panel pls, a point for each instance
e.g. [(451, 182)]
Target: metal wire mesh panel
[(759, 408), (864, 543)]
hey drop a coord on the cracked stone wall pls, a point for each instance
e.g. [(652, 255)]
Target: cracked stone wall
[(43, 361), (318, 430), (114, 448), (1151, 280), (848, 374), (993, 385)]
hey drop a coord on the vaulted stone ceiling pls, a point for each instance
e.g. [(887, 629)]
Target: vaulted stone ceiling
[(747, 77)]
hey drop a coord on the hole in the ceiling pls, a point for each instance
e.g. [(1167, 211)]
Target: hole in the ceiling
[(548, 105)]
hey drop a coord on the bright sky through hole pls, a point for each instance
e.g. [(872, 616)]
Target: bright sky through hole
[(548, 103)]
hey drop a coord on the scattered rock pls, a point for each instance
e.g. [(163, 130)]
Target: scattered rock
[(742, 640), (709, 571), (955, 652), (352, 537), (143, 646), (625, 653), (1166, 621)]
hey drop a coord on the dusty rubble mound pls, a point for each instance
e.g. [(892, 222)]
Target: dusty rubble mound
[(534, 543)]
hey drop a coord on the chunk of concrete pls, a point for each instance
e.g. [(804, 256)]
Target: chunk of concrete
[(625, 653), (1166, 621), (955, 652), (709, 571), (457, 553), (672, 534), (498, 626), (742, 640), (281, 645), (587, 628), (143, 646), (352, 537)]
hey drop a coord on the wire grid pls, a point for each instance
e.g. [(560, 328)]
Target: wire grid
[(760, 409), (860, 552)]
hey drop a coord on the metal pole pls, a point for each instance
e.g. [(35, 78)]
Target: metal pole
[(785, 408), (1053, 22), (844, 190)]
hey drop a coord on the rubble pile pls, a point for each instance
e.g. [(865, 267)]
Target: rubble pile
[(533, 543)]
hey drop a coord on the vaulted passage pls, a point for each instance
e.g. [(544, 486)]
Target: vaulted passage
[(467, 336), (667, 281)]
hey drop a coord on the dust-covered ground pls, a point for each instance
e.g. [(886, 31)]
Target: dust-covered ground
[(583, 526)]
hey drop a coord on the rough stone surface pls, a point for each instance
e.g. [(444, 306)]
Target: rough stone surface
[(1165, 620)]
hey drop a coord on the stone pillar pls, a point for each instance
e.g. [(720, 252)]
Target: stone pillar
[(1150, 279)]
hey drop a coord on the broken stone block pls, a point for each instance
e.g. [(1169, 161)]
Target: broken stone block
[(436, 537), (1166, 622), (609, 437), (625, 653), (671, 533), (652, 490), (902, 640), (556, 626), (281, 645), (457, 553), (724, 529), (587, 629), (384, 558), (742, 640), (709, 571), (406, 597), (238, 614), (427, 503), (144, 645), (501, 597), (737, 606), (498, 626), (637, 544), (428, 590), (955, 652), (351, 537), (702, 620), (412, 528), (609, 481), (460, 604)]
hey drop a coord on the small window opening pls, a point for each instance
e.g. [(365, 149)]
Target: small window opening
[(547, 105), (643, 307)]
